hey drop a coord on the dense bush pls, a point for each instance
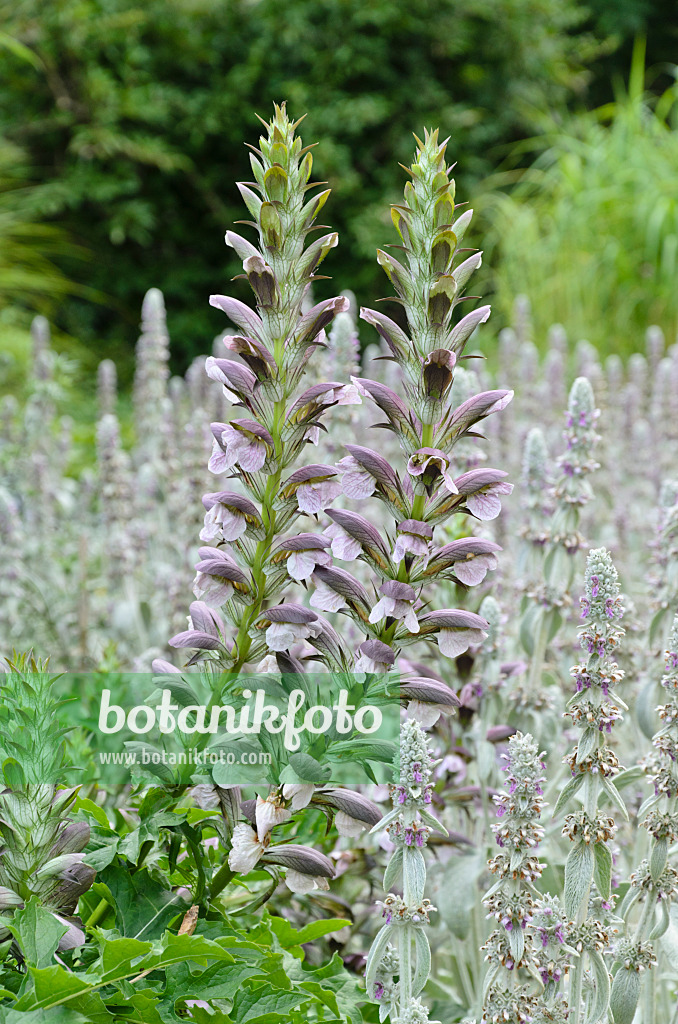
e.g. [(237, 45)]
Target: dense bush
[(134, 116)]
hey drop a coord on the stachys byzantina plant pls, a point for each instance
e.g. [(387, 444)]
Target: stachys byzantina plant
[(420, 495), (42, 851)]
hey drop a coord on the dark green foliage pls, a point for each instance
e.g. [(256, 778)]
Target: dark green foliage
[(136, 113)]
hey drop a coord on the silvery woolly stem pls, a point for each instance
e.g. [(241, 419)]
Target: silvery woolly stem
[(543, 613)]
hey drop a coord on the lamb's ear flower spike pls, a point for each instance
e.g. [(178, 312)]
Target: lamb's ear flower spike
[(513, 950), (562, 537), (594, 708), (401, 947), (654, 885)]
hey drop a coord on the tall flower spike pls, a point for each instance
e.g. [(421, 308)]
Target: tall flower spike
[(512, 951), (424, 494), (594, 708), (428, 426), (265, 362), (654, 885), (408, 826), (550, 594)]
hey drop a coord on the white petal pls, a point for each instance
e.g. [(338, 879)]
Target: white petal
[(348, 826), (325, 599), (471, 572), (245, 849), (453, 642), (296, 882), (300, 565), (411, 621), (300, 793), (280, 636), (379, 611), (253, 456), (309, 498), (267, 815), (426, 714), (233, 525)]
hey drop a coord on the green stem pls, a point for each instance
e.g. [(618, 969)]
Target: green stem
[(243, 639), (221, 879), (419, 503), (97, 914)]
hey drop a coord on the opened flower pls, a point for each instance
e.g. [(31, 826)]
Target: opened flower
[(313, 488), (397, 602), (430, 463), (218, 577), (228, 515), (243, 443), (413, 537), (288, 624), (483, 489), (456, 629), (303, 553)]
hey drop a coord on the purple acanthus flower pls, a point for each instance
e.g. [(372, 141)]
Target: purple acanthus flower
[(594, 586), (378, 990), (430, 463), (243, 443), (413, 537)]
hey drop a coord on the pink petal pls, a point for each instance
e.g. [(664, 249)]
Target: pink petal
[(309, 499), (484, 506), (300, 565), (471, 572), (453, 642)]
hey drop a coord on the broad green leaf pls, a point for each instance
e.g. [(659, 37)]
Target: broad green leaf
[(264, 1004), (37, 931), (52, 986), (144, 908)]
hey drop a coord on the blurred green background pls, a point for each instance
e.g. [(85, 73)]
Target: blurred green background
[(122, 128)]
